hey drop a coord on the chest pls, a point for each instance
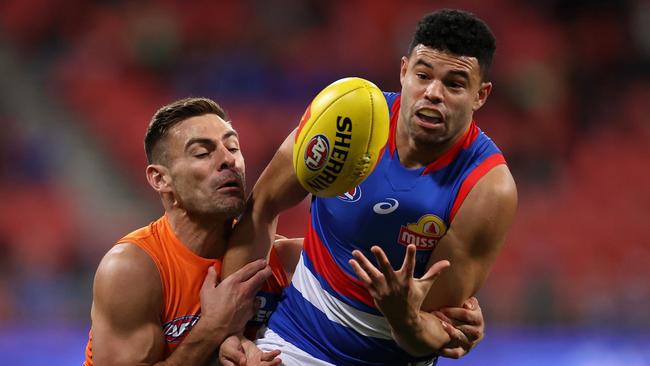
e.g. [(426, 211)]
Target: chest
[(392, 208)]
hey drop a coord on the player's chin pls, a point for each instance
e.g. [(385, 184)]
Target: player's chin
[(231, 204)]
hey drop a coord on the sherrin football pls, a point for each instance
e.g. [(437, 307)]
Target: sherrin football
[(340, 137)]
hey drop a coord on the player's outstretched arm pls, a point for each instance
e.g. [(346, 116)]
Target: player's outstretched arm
[(127, 298), (277, 189)]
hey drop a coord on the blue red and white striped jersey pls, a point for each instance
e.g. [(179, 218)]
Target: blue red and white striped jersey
[(326, 311)]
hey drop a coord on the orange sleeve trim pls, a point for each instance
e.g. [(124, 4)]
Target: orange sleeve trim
[(279, 280), (472, 178)]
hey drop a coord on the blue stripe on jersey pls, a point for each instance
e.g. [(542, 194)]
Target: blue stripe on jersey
[(307, 328)]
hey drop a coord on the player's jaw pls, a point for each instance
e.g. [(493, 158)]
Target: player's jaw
[(426, 124), (228, 192), (220, 194)]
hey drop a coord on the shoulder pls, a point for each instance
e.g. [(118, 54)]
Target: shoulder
[(127, 282), (489, 208), (496, 185)]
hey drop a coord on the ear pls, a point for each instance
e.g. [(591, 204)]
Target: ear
[(482, 95), (404, 64), (159, 178)]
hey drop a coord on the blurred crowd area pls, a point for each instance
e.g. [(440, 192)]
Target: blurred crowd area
[(81, 79)]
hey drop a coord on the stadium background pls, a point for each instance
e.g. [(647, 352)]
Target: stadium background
[(80, 80)]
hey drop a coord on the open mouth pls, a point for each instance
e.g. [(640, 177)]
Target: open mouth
[(429, 116), (230, 186)]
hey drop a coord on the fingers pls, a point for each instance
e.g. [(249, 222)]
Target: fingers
[(371, 271), (473, 334), (269, 356), (464, 315), (251, 277), (210, 280), (471, 303), (408, 266), (361, 274), (458, 344), (455, 353), (255, 283), (231, 352), (442, 317), (248, 271), (382, 260)]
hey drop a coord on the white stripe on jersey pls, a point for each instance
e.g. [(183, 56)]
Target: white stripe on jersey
[(291, 355), (368, 325)]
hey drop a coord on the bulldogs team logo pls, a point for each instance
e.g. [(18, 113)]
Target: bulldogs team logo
[(178, 328), (352, 195), (425, 234), (317, 151)]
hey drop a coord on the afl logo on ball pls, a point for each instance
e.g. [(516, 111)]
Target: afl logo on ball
[(317, 151)]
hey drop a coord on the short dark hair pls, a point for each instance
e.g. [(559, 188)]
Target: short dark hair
[(458, 32), (170, 115)]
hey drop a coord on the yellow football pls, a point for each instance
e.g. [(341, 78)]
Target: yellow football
[(340, 137)]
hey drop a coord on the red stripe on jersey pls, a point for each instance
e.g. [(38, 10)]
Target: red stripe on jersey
[(451, 154), (394, 113), (473, 177), (327, 268)]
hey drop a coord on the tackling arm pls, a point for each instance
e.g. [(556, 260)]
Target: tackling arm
[(276, 190), (127, 301)]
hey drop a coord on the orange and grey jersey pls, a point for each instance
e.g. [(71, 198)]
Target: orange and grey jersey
[(181, 275)]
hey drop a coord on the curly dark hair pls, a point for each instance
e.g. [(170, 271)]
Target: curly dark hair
[(458, 32), (170, 115)]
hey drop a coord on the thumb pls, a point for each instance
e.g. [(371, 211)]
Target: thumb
[(435, 270), (210, 280)]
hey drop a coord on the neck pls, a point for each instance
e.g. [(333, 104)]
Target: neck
[(413, 154), (204, 236)]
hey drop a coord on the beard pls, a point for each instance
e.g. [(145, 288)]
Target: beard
[(210, 201)]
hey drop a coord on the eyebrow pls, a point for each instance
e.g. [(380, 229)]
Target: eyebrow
[(198, 140), (230, 134), (424, 63), (207, 141), (461, 73)]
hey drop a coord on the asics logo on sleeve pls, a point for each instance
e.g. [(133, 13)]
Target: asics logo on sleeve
[(384, 208)]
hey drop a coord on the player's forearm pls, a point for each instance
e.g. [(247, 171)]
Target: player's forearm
[(420, 334), (200, 346), (251, 238), (276, 190)]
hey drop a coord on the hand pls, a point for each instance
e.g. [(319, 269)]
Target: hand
[(465, 326), (240, 351), (230, 305), (397, 294)]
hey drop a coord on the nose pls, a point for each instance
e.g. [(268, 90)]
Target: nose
[(434, 91), (227, 158)]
